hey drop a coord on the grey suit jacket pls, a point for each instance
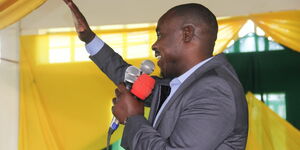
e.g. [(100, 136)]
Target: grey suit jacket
[(208, 111)]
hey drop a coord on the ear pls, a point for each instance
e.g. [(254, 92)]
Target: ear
[(188, 32)]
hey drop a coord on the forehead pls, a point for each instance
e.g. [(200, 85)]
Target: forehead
[(168, 21)]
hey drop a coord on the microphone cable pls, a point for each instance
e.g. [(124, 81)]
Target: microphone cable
[(110, 132), (113, 127)]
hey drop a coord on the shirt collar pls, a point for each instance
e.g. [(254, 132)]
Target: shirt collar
[(179, 80)]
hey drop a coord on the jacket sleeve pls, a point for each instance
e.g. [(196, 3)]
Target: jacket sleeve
[(111, 63)]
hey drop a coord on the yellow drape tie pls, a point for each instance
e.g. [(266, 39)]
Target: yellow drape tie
[(13, 10), (228, 30), (283, 27)]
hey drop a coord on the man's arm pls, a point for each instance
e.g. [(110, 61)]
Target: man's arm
[(110, 62), (85, 34)]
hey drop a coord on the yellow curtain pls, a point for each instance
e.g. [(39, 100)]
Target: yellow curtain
[(267, 130), (13, 10), (67, 106), (228, 30), (64, 106), (35, 122), (283, 27)]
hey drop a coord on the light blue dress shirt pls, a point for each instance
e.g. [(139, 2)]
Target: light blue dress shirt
[(96, 45)]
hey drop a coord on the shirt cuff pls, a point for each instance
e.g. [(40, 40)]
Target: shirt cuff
[(94, 46)]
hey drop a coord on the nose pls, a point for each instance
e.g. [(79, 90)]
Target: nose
[(154, 46)]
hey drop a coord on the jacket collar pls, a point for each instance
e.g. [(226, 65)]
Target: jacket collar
[(215, 62)]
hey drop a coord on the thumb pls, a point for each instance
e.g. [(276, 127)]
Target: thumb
[(122, 88)]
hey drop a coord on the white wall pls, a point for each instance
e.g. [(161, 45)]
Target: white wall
[(9, 88), (54, 13)]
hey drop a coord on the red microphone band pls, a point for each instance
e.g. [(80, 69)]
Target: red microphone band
[(143, 86)]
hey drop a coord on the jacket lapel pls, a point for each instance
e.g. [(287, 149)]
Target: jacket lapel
[(213, 63), (157, 97)]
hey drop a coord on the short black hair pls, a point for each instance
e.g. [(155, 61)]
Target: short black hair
[(198, 14)]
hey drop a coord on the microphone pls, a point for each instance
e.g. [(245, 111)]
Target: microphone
[(147, 67), (131, 74), (144, 84), (139, 85)]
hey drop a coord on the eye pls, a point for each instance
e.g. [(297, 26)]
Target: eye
[(158, 35)]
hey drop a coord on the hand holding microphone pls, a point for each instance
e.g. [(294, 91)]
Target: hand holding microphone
[(126, 105), (140, 85), (137, 87)]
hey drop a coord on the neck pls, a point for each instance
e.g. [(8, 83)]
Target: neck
[(190, 63)]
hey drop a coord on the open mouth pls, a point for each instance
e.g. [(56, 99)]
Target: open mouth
[(157, 54)]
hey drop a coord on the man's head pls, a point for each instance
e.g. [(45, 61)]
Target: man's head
[(186, 35)]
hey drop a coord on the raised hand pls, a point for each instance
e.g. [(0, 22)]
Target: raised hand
[(82, 28)]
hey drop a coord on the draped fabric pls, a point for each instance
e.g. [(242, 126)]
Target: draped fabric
[(68, 105), (283, 27), (35, 122), (63, 106), (267, 130), (13, 10), (228, 30)]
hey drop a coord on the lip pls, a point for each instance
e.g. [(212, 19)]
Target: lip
[(157, 53), (159, 63)]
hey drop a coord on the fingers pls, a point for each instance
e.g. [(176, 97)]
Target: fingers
[(68, 1), (116, 112), (122, 88), (125, 104), (113, 109), (117, 92), (114, 100)]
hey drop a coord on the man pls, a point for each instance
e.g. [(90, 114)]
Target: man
[(205, 108)]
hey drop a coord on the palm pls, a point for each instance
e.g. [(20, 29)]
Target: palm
[(84, 32)]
